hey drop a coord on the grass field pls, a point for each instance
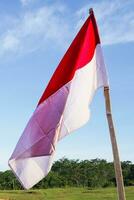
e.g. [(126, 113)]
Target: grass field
[(65, 194)]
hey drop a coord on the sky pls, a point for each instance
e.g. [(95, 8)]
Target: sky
[(34, 35)]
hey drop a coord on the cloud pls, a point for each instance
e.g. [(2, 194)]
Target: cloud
[(10, 42), (26, 2), (35, 29), (56, 24), (115, 20)]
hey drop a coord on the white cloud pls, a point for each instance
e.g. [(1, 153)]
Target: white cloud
[(115, 20), (34, 30), (54, 24), (26, 2), (10, 42)]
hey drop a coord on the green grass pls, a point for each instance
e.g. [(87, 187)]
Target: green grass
[(65, 194)]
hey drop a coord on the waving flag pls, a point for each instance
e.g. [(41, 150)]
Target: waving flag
[(63, 107)]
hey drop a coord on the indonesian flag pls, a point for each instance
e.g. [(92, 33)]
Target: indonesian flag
[(63, 107)]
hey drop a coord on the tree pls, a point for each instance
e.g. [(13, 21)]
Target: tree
[(75, 173)]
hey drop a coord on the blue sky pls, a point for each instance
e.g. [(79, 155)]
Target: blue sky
[(34, 35)]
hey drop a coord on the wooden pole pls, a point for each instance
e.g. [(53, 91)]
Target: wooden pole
[(117, 163)]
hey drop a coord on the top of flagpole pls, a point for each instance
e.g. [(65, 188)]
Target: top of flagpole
[(91, 11)]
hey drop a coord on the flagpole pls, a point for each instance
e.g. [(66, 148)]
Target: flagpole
[(117, 163)]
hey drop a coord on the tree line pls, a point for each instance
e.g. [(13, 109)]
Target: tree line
[(76, 173)]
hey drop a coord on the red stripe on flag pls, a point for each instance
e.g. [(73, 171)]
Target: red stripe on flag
[(77, 56)]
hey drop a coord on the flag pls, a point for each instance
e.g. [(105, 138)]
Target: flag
[(63, 107)]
